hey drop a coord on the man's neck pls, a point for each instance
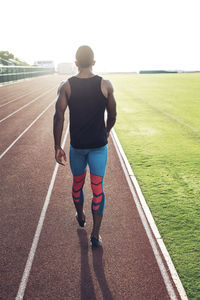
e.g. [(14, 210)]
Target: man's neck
[(85, 73)]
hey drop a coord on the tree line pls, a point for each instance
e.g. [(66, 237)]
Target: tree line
[(7, 58)]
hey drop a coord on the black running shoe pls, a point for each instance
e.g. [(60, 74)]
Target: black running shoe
[(81, 223), (94, 242)]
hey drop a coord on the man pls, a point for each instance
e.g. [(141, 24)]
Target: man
[(88, 96)]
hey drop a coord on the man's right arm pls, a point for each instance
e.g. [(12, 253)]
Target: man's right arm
[(111, 107)]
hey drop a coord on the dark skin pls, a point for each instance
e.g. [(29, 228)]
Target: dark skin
[(61, 105)]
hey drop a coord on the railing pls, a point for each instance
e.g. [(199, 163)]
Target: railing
[(13, 73)]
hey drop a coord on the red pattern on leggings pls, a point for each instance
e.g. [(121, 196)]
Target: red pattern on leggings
[(97, 189), (78, 182)]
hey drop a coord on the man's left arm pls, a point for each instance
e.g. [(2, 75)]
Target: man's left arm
[(61, 105)]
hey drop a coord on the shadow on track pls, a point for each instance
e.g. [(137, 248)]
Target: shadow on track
[(87, 287)]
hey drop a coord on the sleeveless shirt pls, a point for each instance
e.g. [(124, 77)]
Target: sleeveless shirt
[(87, 106)]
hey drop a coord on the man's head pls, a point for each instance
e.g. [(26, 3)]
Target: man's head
[(84, 57)]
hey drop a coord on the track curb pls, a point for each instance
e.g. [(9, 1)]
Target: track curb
[(140, 201)]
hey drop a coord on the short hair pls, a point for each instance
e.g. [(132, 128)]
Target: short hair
[(84, 56)]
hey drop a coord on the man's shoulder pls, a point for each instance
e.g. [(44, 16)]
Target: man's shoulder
[(64, 86), (107, 84)]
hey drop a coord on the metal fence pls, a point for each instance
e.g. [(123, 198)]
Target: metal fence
[(13, 73)]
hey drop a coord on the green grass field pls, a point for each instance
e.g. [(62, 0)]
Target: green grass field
[(158, 125)]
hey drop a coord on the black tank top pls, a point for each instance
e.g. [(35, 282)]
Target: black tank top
[(87, 107)]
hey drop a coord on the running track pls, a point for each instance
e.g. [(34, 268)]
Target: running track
[(43, 252)]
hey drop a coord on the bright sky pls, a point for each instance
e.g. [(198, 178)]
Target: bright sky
[(125, 35)]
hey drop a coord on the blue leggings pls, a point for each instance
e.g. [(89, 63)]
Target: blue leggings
[(96, 159)]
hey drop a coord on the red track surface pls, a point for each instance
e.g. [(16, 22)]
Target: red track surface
[(64, 266)]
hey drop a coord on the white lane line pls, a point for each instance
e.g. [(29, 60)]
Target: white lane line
[(35, 99), (169, 115), (31, 255), (12, 144), (145, 215), (29, 93)]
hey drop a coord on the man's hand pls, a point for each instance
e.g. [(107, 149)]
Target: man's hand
[(60, 156)]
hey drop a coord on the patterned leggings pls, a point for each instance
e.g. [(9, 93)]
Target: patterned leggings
[(96, 159)]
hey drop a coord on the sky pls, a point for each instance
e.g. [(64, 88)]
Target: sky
[(125, 35)]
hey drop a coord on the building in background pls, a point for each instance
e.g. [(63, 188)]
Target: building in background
[(44, 63), (66, 68)]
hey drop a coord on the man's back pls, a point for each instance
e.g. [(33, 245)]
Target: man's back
[(87, 105)]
